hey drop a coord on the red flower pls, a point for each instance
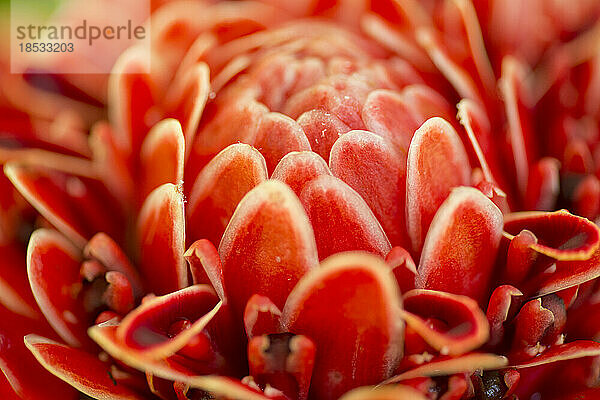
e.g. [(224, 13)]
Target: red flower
[(286, 207)]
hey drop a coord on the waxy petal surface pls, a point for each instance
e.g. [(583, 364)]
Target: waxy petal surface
[(277, 135), (543, 186), (79, 369), (466, 325), (461, 245), (162, 156), (205, 265), (148, 328), (568, 351), (561, 235), (498, 310), (229, 119), (78, 207), (371, 166), (362, 286), (53, 267), (102, 248), (520, 257), (531, 325), (298, 168), (161, 239), (166, 369), (322, 129), (25, 378), (187, 98), (15, 291), (566, 274), (325, 97), (427, 103), (341, 219), (6, 391), (112, 164), (452, 365), (261, 316), (403, 267), (436, 163), (131, 99), (219, 188), (267, 246), (387, 114)]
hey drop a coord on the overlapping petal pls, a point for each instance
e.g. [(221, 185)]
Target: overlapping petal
[(372, 167), (446, 365), (219, 188), (561, 235), (81, 370), (461, 244), (169, 369), (153, 327), (341, 219), (437, 162), (371, 319), (25, 378), (296, 169), (161, 239), (465, 325), (77, 206), (53, 267), (162, 156), (267, 247)]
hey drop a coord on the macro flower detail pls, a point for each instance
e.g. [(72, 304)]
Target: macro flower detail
[(309, 200)]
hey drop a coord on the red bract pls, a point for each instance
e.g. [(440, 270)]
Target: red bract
[(288, 207)]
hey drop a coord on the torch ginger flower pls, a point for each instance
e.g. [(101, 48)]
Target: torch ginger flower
[(289, 206)]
